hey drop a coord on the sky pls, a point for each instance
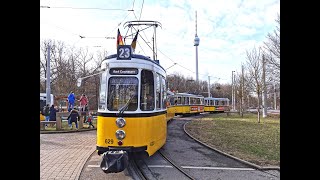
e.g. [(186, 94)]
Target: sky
[(226, 28)]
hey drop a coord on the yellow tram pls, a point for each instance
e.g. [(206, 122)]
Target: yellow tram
[(170, 106), (213, 105), (187, 104), (132, 111)]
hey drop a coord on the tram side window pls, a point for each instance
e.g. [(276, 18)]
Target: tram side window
[(197, 101), (102, 95), (163, 92), (179, 100), (193, 101), (182, 100), (158, 92), (201, 101), (147, 91)]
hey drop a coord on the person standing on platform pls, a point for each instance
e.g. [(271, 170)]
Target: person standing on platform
[(83, 102), (53, 113), (71, 100)]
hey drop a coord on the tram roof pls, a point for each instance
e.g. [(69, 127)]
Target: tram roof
[(187, 94), (138, 56), (213, 98)]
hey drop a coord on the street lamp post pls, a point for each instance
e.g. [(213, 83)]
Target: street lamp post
[(209, 86), (232, 91), (48, 98), (196, 44)]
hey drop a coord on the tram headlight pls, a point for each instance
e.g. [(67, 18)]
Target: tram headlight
[(121, 122), (120, 134)]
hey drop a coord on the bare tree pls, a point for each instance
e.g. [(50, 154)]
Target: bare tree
[(272, 50), (59, 67), (84, 70), (93, 83), (254, 66), (219, 90), (43, 63)]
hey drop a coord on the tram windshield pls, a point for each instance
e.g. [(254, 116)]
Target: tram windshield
[(120, 91)]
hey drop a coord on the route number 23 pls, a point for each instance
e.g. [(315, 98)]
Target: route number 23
[(124, 52)]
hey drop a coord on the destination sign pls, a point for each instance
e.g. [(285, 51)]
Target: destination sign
[(123, 71)]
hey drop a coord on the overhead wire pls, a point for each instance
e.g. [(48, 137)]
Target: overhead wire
[(131, 10), (84, 8), (141, 10), (187, 68), (141, 36), (81, 36)]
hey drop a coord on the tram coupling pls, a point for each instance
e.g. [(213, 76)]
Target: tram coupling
[(114, 161)]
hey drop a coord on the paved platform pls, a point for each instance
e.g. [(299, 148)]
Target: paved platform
[(63, 155)]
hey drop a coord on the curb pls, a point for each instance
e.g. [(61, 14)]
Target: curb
[(67, 131), (230, 156), (83, 167)]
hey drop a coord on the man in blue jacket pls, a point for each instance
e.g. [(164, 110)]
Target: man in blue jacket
[(71, 100)]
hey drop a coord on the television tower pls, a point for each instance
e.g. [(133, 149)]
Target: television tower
[(196, 44)]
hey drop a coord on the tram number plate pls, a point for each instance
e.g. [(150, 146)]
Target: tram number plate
[(109, 141), (124, 52)]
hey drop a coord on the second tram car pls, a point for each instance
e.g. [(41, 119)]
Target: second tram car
[(213, 105), (187, 104)]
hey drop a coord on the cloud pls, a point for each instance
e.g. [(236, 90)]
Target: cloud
[(226, 30)]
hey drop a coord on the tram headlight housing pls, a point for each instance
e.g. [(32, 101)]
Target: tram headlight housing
[(121, 122), (120, 134)]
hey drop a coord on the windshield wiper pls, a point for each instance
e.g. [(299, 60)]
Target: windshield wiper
[(125, 107)]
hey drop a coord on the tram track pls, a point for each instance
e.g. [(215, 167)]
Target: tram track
[(135, 171), (174, 164), (202, 162), (143, 169)]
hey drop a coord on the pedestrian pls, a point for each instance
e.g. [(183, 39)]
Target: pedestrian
[(46, 112), (73, 117), (83, 102), (71, 100), (89, 120), (53, 113)]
